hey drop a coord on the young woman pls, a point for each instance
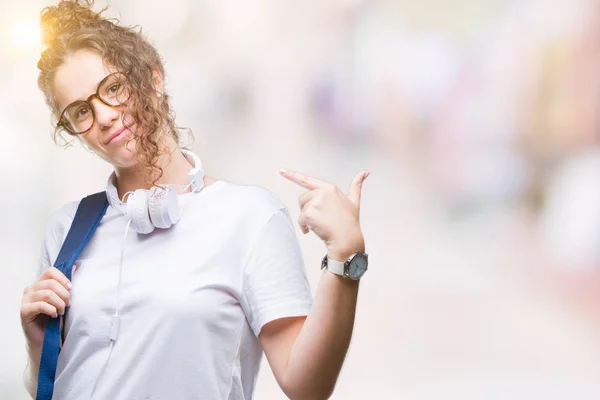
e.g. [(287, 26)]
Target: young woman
[(198, 299)]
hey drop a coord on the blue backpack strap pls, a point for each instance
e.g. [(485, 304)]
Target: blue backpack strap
[(89, 214)]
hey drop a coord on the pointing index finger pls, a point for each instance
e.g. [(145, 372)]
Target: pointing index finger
[(303, 180)]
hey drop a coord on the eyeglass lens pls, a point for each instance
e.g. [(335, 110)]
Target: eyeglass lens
[(113, 91)]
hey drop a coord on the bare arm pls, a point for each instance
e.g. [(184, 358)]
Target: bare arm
[(306, 354), (30, 376)]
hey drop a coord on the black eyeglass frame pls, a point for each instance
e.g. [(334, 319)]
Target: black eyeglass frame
[(63, 121)]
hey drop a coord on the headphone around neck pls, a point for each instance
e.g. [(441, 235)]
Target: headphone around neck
[(157, 207)]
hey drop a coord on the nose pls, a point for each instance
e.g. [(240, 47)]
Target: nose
[(105, 114)]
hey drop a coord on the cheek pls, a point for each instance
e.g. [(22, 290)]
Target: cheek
[(128, 121), (91, 139), (129, 145)]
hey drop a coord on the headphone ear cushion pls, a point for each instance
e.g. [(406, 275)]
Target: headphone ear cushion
[(137, 210), (172, 206), (158, 207)]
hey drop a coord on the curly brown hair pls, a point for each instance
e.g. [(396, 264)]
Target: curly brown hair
[(72, 25)]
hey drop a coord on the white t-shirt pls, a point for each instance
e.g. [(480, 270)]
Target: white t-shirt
[(194, 298)]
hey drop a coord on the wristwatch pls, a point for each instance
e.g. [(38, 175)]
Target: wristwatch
[(354, 267)]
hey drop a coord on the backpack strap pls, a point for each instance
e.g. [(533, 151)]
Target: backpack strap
[(89, 214)]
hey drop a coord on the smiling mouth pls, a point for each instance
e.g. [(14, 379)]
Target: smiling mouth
[(118, 135)]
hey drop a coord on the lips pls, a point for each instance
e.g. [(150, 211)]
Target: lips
[(115, 135)]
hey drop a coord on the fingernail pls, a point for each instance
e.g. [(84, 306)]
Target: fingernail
[(367, 174), (69, 285), (282, 170)]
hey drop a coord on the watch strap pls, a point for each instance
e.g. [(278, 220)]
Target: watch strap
[(337, 267)]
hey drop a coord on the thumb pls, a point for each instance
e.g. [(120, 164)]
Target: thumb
[(356, 187)]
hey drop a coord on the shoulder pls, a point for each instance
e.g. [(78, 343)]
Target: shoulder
[(251, 202), (60, 220), (252, 196), (57, 228), (65, 213)]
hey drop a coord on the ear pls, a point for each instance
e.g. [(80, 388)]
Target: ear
[(157, 80)]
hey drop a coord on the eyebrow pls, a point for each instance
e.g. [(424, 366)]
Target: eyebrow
[(62, 109)]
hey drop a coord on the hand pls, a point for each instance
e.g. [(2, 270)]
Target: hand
[(330, 214), (46, 297)]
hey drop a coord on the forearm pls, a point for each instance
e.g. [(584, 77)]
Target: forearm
[(318, 353), (30, 377)]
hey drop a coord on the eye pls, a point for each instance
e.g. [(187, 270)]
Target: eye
[(82, 112), (114, 88)]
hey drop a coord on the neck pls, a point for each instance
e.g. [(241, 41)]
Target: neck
[(174, 165)]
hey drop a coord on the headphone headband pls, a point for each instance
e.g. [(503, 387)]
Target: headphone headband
[(196, 174)]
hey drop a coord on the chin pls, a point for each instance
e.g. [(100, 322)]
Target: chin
[(123, 157)]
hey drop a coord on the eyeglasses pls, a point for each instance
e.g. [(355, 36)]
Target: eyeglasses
[(79, 117)]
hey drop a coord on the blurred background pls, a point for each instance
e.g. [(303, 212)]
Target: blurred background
[(478, 119)]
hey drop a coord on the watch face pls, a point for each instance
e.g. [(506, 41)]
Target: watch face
[(358, 266)]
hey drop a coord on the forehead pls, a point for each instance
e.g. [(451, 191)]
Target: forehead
[(78, 77)]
